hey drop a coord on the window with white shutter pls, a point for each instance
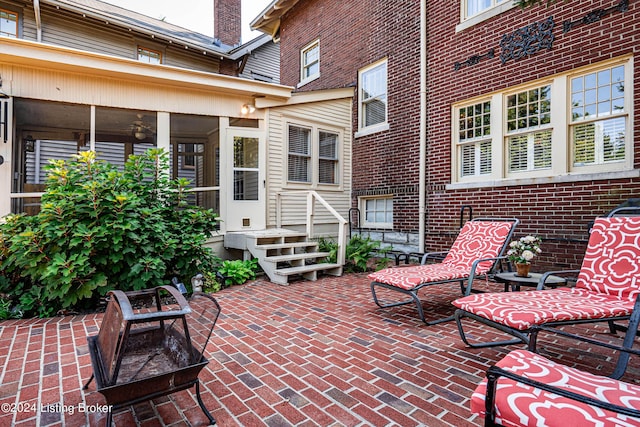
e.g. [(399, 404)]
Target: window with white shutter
[(573, 124)]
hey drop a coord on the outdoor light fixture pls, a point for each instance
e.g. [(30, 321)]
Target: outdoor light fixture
[(247, 109)]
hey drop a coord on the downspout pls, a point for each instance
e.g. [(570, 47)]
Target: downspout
[(36, 9), (422, 187)]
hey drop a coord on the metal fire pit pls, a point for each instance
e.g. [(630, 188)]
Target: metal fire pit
[(151, 343)]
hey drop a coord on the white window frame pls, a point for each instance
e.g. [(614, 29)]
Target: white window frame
[(306, 75), (144, 54), (365, 223), (363, 129), (314, 157), (3, 32), (497, 7), (475, 137), (562, 167)]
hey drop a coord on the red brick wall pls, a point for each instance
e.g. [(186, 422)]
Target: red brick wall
[(226, 21), (357, 33), (354, 34), (558, 212)]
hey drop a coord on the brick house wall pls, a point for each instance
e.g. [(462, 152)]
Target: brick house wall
[(559, 212), (354, 34)]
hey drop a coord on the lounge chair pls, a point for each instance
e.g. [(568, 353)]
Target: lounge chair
[(475, 253), (607, 289), (527, 389)]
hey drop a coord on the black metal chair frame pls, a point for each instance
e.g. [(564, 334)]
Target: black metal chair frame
[(626, 350), (522, 336), (439, 256)]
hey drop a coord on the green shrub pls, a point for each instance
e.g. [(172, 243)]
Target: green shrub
[(100, 229), (237, 272), (358, 252)]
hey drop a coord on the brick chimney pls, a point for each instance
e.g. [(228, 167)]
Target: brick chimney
[(227, 21)]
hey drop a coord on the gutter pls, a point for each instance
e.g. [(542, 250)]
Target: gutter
[(130, 25), (422, 187), (36, 9)]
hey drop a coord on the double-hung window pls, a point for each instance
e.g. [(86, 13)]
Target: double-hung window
[(327, 157), (474, 141), (473, 12), (598, 117), (313, 155), (372, 97), (528, 129), (474, 7), (149, 55), (8, 23), (299, 154), (310, 62), (575, 125)]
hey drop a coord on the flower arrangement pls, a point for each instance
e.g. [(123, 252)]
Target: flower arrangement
[(524, 250)]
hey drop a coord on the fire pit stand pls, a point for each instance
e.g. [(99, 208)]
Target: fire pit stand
[(151, 343)]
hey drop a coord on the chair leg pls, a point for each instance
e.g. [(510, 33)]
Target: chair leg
[(521, 337), (86, 386), (412, 293)]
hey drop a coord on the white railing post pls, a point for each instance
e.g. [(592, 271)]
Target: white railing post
[(278, 210), (312, 197), (310, 213)]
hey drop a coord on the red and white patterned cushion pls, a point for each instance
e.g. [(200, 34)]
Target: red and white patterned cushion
[(521, 405), (522, 310), (611, 263), (476, 240), (608, 283)]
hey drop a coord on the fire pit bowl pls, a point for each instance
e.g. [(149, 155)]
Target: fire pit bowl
[(151, 343)]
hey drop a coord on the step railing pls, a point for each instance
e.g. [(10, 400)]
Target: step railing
[(312, 199)]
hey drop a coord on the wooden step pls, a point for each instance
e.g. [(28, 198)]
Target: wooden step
[(306, 268), (295, 257), (288, 245)]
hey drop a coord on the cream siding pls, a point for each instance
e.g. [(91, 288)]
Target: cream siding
[(63, 28), (263, 64), (333, 115), (40, 83)]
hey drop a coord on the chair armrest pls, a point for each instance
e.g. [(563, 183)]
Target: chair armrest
[(474, 266), (433, 255), (537, 328), (495, 372), (546, 275)]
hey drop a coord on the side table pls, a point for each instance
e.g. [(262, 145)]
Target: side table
[(532, 280)]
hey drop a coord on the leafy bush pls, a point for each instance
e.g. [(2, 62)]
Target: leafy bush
[(358, 252), (100, 229), (237, 272)]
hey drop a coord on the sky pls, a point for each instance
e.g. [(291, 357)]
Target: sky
[(196, 15)]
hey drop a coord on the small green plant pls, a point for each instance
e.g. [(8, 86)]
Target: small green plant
[(8, 311), (237, 272), (358, 252), (212, 283)]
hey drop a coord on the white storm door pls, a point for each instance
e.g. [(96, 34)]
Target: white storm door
[(246, 178)]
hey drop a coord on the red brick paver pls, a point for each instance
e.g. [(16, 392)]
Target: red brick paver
[(308, 354)]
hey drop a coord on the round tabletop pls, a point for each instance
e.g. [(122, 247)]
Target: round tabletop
[(531, 280)]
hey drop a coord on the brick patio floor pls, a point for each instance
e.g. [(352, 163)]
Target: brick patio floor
[(308, 354)]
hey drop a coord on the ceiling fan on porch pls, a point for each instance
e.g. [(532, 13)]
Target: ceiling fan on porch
[(140, 129)]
